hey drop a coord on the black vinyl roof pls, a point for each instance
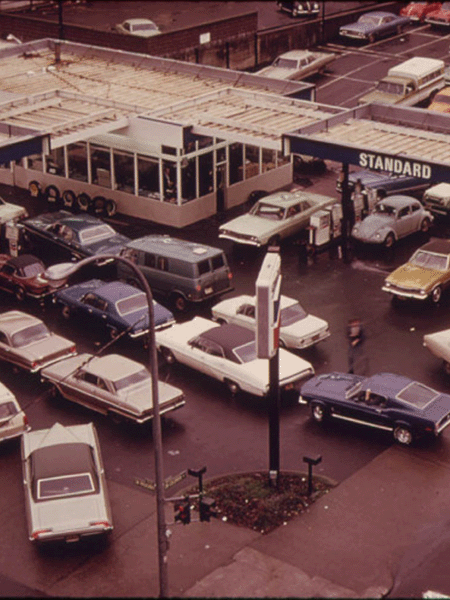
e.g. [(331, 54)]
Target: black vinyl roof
[(61, 459), (23, 260), (440, 246), (229, 336)]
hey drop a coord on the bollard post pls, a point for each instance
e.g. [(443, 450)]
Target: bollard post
[(315, 460)]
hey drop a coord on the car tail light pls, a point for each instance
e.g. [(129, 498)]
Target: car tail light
[(199, 288), (105, 524), (73, 349), (25, 420), (230, 275), (36, 534), (34, 364)]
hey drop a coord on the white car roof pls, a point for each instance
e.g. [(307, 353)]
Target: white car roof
[(112, 366), (286, 199), (15, 320)]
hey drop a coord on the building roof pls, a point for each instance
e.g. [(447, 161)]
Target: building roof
[(74, 91)]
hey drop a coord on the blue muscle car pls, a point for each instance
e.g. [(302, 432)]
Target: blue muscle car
[(386, 401), (116, 306), (374, 25)]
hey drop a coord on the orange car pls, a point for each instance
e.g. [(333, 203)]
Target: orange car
[(441, 101)]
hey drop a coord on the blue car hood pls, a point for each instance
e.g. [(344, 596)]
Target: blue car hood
[(112, 245)]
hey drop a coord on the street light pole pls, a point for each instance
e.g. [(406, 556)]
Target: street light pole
[(156, 421)]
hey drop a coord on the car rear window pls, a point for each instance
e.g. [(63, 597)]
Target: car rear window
[(67, 485), (131, 304), (217, 261), (417, 395), (203, 267), (7, 409), (246, 353), (29, 335), (93, 234), (292, 314)]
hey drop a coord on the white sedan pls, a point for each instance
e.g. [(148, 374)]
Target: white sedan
[(228, 353), (297, 64), (66, 496), (274, 217), (113, 385), (298, 329), (13, 421), (438, 343)]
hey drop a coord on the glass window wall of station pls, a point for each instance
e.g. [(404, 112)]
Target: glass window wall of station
[(77, 161)]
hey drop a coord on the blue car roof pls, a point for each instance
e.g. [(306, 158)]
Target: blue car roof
[(387, 384), (116, 290)]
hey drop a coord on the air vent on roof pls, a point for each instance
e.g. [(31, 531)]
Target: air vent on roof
[(199, 250)]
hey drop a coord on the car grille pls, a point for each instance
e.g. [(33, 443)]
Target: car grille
[(443, 423)]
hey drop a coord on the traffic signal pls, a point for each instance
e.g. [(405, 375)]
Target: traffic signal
[(206, 508), (183, 511)]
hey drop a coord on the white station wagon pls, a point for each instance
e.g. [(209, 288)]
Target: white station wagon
[(274, 217), (298, 329), (228, 353)]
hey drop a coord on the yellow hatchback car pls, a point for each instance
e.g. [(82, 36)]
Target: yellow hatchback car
[(425, 275), (441, 101)]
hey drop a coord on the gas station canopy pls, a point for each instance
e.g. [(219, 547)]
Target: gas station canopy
[(401, 140)]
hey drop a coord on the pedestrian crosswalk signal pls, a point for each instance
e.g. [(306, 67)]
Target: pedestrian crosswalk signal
[(206, 508), (183, 512)]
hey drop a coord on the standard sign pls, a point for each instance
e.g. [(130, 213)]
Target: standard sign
[(399, 166), (268, 287)]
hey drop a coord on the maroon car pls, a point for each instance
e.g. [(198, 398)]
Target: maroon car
[(439, 17), (418, 11), (24, 276)]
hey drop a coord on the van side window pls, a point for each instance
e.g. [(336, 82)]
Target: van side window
[(149, 260), (203, 267), (162, 263), (217, 262)]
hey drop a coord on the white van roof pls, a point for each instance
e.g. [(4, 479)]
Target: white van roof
[(419, 66)]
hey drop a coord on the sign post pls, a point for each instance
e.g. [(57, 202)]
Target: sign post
[(268, 286)]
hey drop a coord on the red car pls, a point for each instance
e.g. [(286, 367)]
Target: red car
[(418, 11), (439, 17), (24, 276)]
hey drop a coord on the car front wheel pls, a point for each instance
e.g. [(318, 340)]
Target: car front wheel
[(436, 294), (403, 435), (389, 241), (66, 312), (233, 387), (318, 412), (168, 356), (425, 226)]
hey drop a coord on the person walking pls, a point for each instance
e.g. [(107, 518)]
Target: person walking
[(356, 338)]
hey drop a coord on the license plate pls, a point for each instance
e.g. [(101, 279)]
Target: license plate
[(72, 538), (315, 337), (208, 290)]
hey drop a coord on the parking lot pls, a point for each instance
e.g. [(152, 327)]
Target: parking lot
[(230, 434)]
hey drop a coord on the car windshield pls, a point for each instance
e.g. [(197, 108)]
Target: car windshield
[(144, 27), (33, 270), (246, 352), (292, 314), (369, 20), (31, 334), (96, 233), (131, 304), (7, 410), (384, 209), (388, 87), (417, 394), (133, 379), (268, 211), (66, 485), (436, 262), (285, 63)]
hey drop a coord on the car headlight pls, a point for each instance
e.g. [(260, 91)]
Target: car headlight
[(423, 292), (378, 236), (387, 284)]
